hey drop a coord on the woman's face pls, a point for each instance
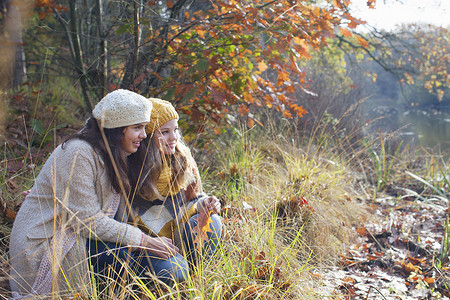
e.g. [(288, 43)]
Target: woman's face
[(132, 137), (167, 136)]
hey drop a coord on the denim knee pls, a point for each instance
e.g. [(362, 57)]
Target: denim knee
[(212, 242), (216, 227), (174, 269)]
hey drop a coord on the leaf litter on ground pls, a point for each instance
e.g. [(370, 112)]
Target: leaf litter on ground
[(396, 258)]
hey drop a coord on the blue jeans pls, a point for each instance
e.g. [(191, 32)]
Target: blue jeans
[(109, 255)]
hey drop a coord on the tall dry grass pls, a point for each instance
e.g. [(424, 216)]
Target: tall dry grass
[(287, 213), (290, 206)]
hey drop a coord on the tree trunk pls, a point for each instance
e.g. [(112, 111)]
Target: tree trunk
[(12, 61), (78, 55), (132, 62), (103, 50)]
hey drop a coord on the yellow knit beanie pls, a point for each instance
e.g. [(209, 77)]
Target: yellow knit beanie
[(162, 112)]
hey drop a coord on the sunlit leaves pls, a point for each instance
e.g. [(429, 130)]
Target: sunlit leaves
[(213, 57), (425, 56), (300, 111), (243, 53), (409, 79), (346, 32), (354, 22), (371, 3), (262, 66), (362, 41), (46, 8), (341, 4)]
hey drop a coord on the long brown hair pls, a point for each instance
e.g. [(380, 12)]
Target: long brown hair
[(181, 163), (91, 133)]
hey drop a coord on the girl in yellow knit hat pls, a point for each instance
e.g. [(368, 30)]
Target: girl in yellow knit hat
[(168, 198)]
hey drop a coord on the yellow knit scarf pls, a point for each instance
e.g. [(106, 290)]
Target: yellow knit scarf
[(164, 183)]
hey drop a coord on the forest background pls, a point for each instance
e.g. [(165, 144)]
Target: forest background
[(303, 124)]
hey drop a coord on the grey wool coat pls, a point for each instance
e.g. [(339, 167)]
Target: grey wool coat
[(72, 200)]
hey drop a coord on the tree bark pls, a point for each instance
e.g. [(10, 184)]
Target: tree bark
[(12, 61), (78, 55), (132, 62), (103, 50)]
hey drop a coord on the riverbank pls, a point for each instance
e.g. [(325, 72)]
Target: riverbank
[(306, 218), (307, 222)]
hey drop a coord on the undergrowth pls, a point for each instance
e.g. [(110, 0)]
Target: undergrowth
[(290, 205)]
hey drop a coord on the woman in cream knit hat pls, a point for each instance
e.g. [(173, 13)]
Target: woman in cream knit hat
[(76, 198), (169, 195)]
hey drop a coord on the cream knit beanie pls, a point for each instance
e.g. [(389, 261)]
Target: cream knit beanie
[(163, 111), (122, 108)]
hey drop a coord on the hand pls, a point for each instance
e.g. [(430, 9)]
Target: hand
[(209, 204), (159, 246), (25, 193)]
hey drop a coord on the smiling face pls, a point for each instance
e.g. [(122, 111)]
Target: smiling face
[(166, 136), (132, 137)]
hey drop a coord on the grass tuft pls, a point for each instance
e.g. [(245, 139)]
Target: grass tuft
[(290, 204)]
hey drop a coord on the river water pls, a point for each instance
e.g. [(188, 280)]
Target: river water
[(429, 128)]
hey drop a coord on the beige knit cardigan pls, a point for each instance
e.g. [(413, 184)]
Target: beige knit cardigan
[(72, 200)]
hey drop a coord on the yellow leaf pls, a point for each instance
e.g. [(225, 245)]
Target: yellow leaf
[(297, 40), (374, 77), (262, 66), (440, 94), (409, 79), (316, 11), (201, 33)]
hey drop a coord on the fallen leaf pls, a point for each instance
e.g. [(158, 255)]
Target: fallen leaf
[(429, 280), (8, 213), (362, 230), (348, 279), (409, 267)]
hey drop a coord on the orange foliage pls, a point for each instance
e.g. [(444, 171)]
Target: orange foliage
[(362, 41), (371, 3), (46, 7), (244, 53), (346, 32)]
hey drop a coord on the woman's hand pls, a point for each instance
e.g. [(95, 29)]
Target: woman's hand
[(209, 204), (25, 194), (159, 246)]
